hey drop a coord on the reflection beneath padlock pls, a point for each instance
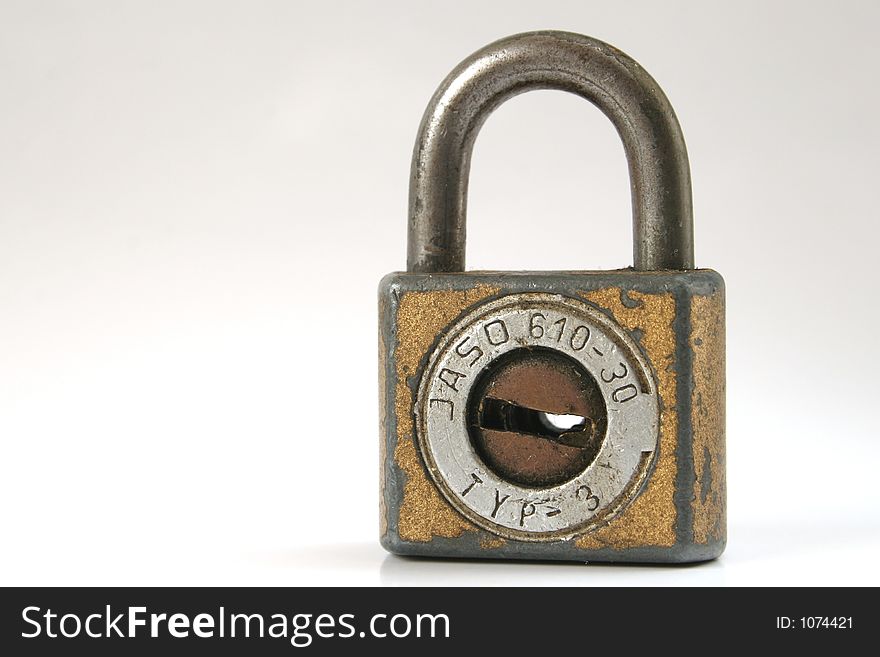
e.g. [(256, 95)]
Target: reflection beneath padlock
[(420, 571)]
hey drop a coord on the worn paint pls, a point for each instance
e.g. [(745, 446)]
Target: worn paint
[(383, 421), (649, 529), (707, 416), (650, 518), (489, 542), (421, 317)]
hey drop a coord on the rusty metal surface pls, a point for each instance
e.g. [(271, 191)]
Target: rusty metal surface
[(617, 85), (707, 418), (421, 522), (653, 515)]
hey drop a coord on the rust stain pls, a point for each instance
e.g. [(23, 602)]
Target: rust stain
[(650, 518), (707, 416), (489, 542), (421, 316), (383, 422)]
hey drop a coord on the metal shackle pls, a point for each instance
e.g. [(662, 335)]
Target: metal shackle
[(616, 84)]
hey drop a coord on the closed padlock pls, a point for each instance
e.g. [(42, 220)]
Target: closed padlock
[(553, 415)]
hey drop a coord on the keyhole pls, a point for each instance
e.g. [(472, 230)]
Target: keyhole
[(536, 417), (562, 422), (563, 428)]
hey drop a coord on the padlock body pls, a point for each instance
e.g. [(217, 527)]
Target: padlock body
[(676, 319)]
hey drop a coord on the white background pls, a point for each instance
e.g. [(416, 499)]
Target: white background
[(197, 200)]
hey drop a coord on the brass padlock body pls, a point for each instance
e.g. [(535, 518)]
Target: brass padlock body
[(677, 320)]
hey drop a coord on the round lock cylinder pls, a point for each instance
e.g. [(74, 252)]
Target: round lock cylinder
[(536, 417)]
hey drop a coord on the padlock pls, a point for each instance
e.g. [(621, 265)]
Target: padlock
[(552, 415)]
